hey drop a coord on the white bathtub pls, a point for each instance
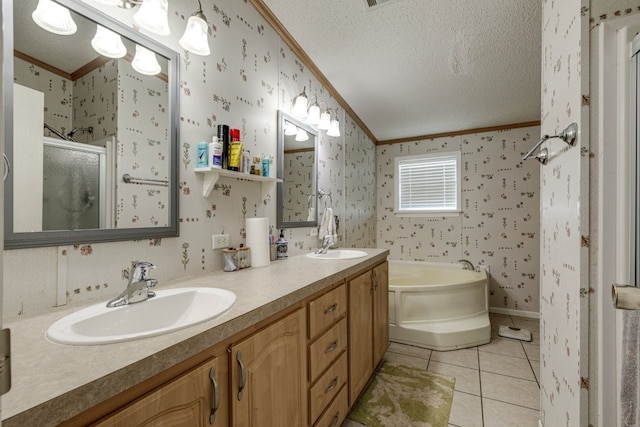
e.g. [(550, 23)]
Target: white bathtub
[(438, 306)]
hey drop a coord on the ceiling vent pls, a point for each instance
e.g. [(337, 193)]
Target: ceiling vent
[(372, 4)]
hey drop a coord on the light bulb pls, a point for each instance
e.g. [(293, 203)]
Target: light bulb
[(302, 135), (107, 43), (153, 17), (314, 114), (325, 121), (290, 129), (334, 128), (300, 105), (145, 61), (195, 37), (54, 18)]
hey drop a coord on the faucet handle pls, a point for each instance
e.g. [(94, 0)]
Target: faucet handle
[(139, 271)]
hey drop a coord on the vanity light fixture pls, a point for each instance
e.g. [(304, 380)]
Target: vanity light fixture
[(54, 18), (195, 37), (110, 2), (334, 128), (145, 61), (302, 135), (314, 112), (325, 120), (107, 43), (300, 105), (153, 16)]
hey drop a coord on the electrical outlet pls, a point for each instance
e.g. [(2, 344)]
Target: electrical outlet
[(220, 241)]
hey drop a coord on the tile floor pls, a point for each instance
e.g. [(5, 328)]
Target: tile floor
[(497, 384)]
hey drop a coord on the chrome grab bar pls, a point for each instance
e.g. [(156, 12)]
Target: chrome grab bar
[(131, 180)]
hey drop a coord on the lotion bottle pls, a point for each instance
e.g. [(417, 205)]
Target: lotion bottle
[(282, 246)]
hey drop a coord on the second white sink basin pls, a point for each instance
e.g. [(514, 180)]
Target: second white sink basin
[(169, 310), (339, 254)]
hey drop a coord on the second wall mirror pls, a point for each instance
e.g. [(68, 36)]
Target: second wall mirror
[(297, 167)]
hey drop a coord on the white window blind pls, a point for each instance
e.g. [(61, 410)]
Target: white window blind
[(428, 183)]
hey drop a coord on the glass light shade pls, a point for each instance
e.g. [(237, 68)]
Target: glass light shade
[(300, 106), (54, 18), (334, 128), (107, 43), (314, 115), (302, 135), (145, 61), (290, 129), (153, 17), (325, 121), (195, 37)]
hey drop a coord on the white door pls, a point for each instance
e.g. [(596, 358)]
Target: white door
[(619, 220)]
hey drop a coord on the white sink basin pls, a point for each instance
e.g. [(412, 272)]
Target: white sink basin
[(169, 310), (339, 254)]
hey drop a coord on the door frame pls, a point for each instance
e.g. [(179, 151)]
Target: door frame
[(614, 208)]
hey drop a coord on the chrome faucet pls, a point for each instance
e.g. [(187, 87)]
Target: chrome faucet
[(467, 265), (138, 286), (327, 242)]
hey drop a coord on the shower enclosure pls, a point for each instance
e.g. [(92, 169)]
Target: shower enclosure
[(74, 186)]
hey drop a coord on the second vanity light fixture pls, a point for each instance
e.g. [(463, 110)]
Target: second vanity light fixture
[(313, 113), (568, 135)]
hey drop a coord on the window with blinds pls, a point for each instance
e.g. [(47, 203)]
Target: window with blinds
[(428, 183)]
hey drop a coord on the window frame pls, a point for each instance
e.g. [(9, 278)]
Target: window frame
[(428, 212)]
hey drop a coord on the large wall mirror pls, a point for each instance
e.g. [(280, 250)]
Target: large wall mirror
[(297, 167), (92, 140)]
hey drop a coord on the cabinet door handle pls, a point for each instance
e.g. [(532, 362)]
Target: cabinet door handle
[(331, 308), (216, 396), (332, 346), (243, 375), (333, 385), (334, 422), (374, 278)]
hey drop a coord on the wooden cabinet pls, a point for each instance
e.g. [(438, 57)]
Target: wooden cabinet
[(368, 325), (328, 371), (198, 398), (268, 375)]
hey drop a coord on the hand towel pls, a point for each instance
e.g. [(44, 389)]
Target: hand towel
[(328, 225), (312, 214)]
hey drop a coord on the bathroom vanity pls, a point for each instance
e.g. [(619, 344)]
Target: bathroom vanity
[(297, 348)]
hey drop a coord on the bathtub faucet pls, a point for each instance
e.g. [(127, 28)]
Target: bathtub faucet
[(467, 265)]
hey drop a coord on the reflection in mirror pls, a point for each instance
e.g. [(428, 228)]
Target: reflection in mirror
[(297, 166), (86, 112)]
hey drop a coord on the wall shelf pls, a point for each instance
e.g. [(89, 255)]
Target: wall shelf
[(211, 176)]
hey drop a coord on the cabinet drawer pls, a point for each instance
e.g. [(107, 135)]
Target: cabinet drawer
[(327, 348), (327, 387), (326, 309), (336, 412)]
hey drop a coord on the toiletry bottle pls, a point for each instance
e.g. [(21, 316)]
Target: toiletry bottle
[(282, 246), (235, 150), (265, 165), (223, 138), (246, 161), (215, 153), (202, 155)]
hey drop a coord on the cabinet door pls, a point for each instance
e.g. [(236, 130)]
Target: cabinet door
[(189, 400), (380, 311), (268, 375), (360, 318)]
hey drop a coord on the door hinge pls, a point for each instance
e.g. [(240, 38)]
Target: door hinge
[(5, 360)]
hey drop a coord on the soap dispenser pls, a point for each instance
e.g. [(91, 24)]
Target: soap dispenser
[(282, 246)]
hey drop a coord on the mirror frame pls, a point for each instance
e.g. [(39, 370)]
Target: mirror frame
[(65, 237), (282, 116)]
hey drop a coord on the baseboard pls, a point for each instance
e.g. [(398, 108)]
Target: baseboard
[(512, 312)]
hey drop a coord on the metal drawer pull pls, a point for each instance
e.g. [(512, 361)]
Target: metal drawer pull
[(332, 346), (334, 422), (216, 396), (333, 385), (243, 375), (331, 308)]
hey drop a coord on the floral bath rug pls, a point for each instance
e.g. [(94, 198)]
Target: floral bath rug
[(404, 396)]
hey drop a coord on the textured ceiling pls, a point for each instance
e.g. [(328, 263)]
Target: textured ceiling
[(418, 67)]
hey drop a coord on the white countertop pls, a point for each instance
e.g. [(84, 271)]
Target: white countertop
[(52, 382)]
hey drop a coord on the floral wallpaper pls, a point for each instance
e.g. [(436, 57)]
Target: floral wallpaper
[(143, 141), (58, 94), (499, 225), (564, 196), (250, 74), (297, 205)]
